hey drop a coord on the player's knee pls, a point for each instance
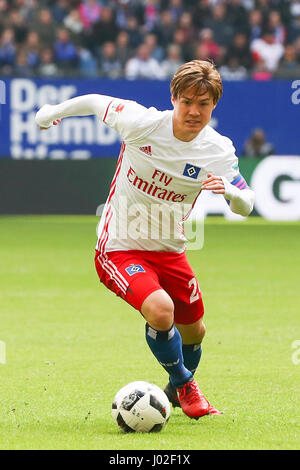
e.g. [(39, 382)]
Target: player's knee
[(199, 333), (158, 310), (161, 315), (161, 319)]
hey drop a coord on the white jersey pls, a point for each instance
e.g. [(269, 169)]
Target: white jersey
[(157, 176)]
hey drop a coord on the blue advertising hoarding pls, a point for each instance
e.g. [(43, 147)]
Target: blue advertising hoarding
[(273, 106)]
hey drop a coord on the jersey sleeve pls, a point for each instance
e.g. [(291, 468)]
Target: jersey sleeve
[(229, 166), (224, 160), (132, 120)]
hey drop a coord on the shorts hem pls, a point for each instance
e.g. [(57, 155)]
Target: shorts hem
[(188, 322), (146, 294)]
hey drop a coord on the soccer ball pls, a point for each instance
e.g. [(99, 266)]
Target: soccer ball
[(141, 407)]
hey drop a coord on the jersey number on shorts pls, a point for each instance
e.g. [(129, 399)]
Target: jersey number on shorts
[(195, 294)]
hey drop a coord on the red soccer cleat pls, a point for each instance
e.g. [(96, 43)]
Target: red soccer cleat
[(213, 410), (193, 402)]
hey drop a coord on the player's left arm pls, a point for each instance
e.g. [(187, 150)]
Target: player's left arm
[(237, 192)]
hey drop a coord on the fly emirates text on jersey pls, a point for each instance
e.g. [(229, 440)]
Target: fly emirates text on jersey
[(152, 189)]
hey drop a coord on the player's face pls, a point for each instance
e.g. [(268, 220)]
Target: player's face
[(191, 114)]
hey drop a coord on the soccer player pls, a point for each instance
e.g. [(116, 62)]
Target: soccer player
[(167, 158)]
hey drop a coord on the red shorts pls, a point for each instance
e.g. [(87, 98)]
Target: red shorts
[(134, 274)]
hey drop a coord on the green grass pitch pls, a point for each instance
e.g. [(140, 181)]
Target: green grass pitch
[(71, 344)]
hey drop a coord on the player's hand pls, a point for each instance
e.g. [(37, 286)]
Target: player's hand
[(214, 184), (54, 124)]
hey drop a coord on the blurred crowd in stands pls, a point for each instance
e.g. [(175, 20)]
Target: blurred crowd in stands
[(257, 39)]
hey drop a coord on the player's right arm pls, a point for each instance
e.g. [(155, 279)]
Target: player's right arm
[(129, 118), (85, 105)]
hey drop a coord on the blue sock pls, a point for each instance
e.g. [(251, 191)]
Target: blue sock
[(191, 356), (167, 348)]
